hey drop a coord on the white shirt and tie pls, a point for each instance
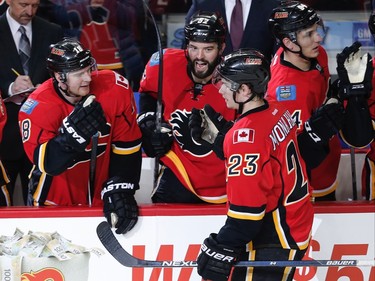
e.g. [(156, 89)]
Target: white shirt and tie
[(237, 18), (25, 46)]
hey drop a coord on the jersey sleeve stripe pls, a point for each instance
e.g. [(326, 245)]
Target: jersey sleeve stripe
[(125, 151), (42, 152), (280, 230), (245, 216)]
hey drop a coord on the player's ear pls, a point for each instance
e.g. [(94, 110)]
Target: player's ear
[(288, 43), (245, 91), (61, 80), (58, 77)]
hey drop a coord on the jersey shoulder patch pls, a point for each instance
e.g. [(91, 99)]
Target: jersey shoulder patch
[(286, 93), (29, 105)]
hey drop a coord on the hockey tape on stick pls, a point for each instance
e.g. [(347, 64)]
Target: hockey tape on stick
[(112, 245), (89, 100)]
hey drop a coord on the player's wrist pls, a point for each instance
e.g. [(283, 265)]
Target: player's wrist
[(118, 185)]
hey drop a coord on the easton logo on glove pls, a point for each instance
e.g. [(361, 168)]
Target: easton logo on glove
[(118, 186), (216, 255), (70, 130)]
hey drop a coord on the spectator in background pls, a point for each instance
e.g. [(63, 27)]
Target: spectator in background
[(16, 77), (255, 14), (300, 80), (84, 105), (119, 33), (186, 84)]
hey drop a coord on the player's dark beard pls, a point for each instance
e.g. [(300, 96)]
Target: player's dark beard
[(201, 75)]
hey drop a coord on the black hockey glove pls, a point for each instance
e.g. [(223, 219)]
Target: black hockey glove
[(325, 122), (155, 144), (81, 124), (208, 128), (355, 72), (119, 205), (215, 261)]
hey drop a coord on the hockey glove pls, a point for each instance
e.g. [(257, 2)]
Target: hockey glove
[(119, 205), (81, 124), (208, 128), (325, 122), (355, 72), (215, 261), (155, 144)]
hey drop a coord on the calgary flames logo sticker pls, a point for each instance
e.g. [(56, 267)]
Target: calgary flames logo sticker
[(45, 274)]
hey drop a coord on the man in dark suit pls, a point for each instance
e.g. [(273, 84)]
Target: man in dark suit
[(256, 33), (14, 78)]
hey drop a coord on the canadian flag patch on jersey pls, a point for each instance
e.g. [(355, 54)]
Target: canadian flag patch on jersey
[(243, 135)]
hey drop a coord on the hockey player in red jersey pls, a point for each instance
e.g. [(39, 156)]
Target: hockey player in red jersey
[(269, 209), (300, 80), (4, 179), (186, 84), (59, 123)]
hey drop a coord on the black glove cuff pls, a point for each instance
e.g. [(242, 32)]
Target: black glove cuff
[(355, 90), (224, 253)]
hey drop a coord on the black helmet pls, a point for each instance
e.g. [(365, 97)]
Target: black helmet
[(68, 55), (291, 17), (205, 27), (245, 66)]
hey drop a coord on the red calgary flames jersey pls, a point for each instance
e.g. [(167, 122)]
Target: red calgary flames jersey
[(197, 167), (302, 92), (267, 179), (97, 37), (40, 119)]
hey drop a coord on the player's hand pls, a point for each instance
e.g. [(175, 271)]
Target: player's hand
[(155, 144), (119, 205), (197, 126), (82, 123), (21, 83), (355, 72), (208, 127), (326, 121), (216, 266)]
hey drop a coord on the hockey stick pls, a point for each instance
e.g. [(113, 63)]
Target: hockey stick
[(354, 173), (159, 105), (112, 245), (94, 152)]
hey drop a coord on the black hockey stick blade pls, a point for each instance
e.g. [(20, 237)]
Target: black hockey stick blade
[(112, 245)]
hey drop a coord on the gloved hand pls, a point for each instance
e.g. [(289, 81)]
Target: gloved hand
[(82, 123), (119, 205), (326, 121), (355, 72), (215, 261), (208, 128), (155, 144)]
